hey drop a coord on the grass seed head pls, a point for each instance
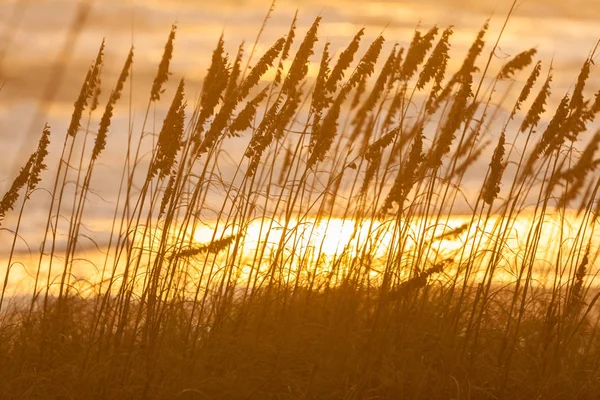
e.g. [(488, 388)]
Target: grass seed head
[(416, 53), (435, 67), (491, 187), (518, 63), (343, 62), (163, 68), (299, 67), (289, 39), (169, 139), (115, 95), (538, 107), (29, 175), (533, 76)]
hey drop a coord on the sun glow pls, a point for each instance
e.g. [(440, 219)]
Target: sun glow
[(465, 238), (309, 246)]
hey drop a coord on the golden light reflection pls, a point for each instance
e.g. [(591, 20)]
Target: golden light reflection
[(316, 248)]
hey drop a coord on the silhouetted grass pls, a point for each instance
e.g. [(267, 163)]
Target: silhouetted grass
[(413, 302)]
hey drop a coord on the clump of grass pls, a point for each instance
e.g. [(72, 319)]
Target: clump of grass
[(337, 264)]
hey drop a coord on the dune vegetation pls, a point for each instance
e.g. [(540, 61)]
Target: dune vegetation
[(374, 149)]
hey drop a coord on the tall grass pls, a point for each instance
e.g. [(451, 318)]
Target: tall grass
[(340, 261)]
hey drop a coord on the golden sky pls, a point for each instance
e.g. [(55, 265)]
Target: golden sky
[(34, 33)]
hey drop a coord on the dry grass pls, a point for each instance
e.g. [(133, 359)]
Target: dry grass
[(409, 305)]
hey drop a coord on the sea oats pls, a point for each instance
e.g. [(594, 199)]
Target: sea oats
[(115, 95), (580, 113), (538, 107), (577, 174), (455, 117), (491, 187), (169, 139), (37, 165), (79, 105), (518, 63), (435, 67), (405, 179), (533, 76), (412, 48), (299, 67), (85, 92), (244, 119), (213, 86), (260, 68), (365, 68), (416, 53), (29, 175), (554, 134), (343, 62), (12, 195), (453, 233), (213, 247), (95, 78), (286, 49), (374, 95), (373, 154), (466, 69), (577, 101), (383, 142), (163, 68), (468, 65), (168, 194), (322, 139), (262, 137), (321, 98), (326, 247), (234, 75), (576, 122)]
